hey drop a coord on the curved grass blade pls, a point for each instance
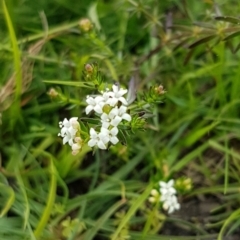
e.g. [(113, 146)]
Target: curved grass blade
[(26, 212), (50, 202), (136, 204), (89, 235), (10, 200), (232, 35), (202, 40), (235, 215), (228, 19), (16, 52)]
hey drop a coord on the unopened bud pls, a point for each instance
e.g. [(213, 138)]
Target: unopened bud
[(85, 25), (184, 184), (89, 68), (160, 90), (52, 93)]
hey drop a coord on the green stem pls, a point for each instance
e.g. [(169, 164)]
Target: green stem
[(50, 202)]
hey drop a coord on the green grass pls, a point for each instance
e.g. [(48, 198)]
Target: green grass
[(194, 133)]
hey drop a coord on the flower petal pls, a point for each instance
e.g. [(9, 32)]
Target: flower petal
[(126, 117), (116, 121), (101, 145), (114, 140), (92, 142), (88, 109)]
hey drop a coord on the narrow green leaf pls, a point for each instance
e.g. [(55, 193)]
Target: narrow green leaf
[(195, 136), (10, 200), (135, 205), (228, 19), (50, 202), (232, 35), (235, 215), (188, 158), (202, 40), (16, 52), (71, 83), (25, 197), (89, 235)]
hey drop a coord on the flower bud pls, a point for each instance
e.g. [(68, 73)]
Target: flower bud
[(88, 68), (52, 93), (184, 184), (160, 90), (85, 25)]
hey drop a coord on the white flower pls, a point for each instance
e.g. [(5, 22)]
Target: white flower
[(168, 196), (110, 119), (95, 104), (167, 188), (171, 204), (97, 140), (109, 135), (116, 95), (120, 112), (69, 129)]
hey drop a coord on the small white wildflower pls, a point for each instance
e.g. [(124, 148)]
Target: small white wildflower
[(95, 104), (116, 96), (69, 129), (167, 188), (121, 112), (109, 134), (110, 119), (168, 196), (97, 140), (171, 204)]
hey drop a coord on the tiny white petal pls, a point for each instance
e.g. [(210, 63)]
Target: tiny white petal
[(92, 142), (114, 112), (116, 121), (101, 145), (98, 109), (114, 140), (88, 109), (123, 100), (126, 117), (93, 132), (105, 124), (114, 131)]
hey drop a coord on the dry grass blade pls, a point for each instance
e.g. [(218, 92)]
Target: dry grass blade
[(7, 91)]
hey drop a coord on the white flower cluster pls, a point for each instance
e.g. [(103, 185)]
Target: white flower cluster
[(70, 134), (168, 196), (111, 106)]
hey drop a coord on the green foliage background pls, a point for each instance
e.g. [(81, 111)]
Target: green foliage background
[(191, 48)]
